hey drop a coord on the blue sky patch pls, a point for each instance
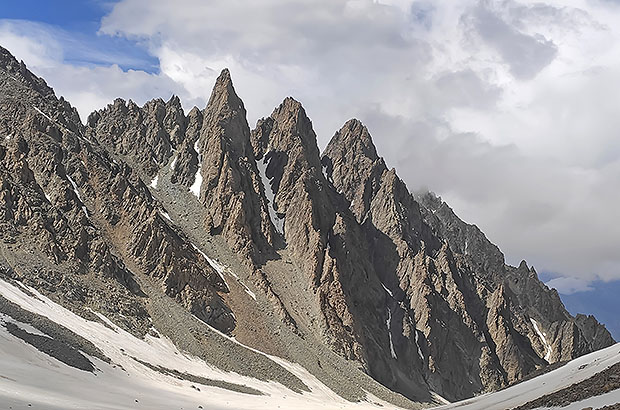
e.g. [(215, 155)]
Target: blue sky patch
[(75, 25)]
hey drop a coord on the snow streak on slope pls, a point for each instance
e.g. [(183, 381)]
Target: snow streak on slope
[(154, 182), (221, 269), (165, 215), (417, 343), (77, 194), (29, 376), (195, 188), (541, 335), (388, 324), (277, 222), (573, 372), (389, 292), (42, 113), (214, 264), (597, 402)]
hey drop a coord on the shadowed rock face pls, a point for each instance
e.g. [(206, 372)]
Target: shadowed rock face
[(230, 184), (394, 282), (479, 317), (207, 151), (324, 238), (88, 212)]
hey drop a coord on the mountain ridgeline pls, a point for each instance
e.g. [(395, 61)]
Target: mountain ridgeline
[(155, 217)]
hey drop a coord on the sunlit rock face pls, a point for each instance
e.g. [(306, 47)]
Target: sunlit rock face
[(154, 218)]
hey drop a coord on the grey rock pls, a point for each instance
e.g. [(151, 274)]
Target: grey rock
[(473, 310), (391, 284)]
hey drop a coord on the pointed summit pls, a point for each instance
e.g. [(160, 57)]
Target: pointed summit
[(292, 131), (226, 178), (349, 159), (291, 104), (174, 101), (224, 94), (355, 137), (224, 82), (225, 75), (225, 117)]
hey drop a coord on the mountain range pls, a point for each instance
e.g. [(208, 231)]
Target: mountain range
[(254, 253)]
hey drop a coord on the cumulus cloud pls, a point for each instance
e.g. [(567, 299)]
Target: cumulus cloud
[(568, 286), (46, 50), (506, 108), (525, 54)]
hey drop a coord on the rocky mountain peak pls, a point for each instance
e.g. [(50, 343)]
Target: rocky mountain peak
[(223, 96), (227, 176), (225, 117), (174, 101), (292, 132), (350, 161), (332, 257), (354, 137), (18, 71)]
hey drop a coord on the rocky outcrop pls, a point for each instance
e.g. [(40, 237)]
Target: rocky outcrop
[(393, 282), (285, 146), (65, 194), (208, 151), (143, 135), (449, 276), (361, 319), (594, 332), (231, 190)]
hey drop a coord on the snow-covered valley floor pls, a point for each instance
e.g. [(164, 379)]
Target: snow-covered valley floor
[(152, 373), (132, 380), (573, 372)]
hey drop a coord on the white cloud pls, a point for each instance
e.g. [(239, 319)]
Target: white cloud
[(506, 108), (37, 48), (568, 286), (87, 87)]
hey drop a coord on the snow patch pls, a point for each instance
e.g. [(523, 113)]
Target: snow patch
[(174, 162), (23, 326), (165, 215), (60, 125), (42, 113), (153, 183), (248, 291), (195, 188), (389, 292), (77, 193), (214, 264), (439, 398), (543, 339), (573, 372), (327, 177), (221, 269), (389, 328), (277, 222), (417, 343), (33, 377), (596, 402)]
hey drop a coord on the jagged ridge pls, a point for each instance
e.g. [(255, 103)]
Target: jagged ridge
[(393, 282)]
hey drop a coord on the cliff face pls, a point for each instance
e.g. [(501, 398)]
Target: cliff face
[(208, 151), (482, 321), (69, 206), (325, 253)]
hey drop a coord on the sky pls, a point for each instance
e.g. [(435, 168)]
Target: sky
[(508, 109)]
